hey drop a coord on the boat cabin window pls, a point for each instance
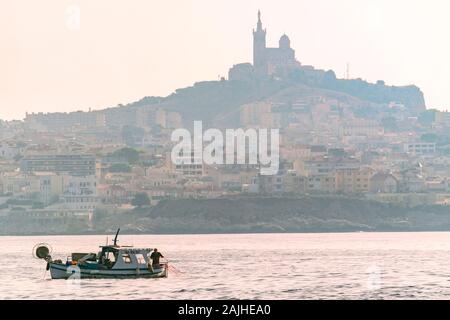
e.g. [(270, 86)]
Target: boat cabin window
[(111, 256), (140, 258), (108, 256), (126, 258)]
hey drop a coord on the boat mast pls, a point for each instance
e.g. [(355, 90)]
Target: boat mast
[(115, 238)]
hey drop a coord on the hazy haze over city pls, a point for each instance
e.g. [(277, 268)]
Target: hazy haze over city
[(123, 51)]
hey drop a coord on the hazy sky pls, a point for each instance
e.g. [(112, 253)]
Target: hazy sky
[(123, 50)]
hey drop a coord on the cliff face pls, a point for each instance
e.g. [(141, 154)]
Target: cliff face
[(411, 96)]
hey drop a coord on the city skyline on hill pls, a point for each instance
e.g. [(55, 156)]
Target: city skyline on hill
[(55, 62)]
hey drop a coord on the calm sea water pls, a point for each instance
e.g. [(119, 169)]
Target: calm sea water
[(262, 266)]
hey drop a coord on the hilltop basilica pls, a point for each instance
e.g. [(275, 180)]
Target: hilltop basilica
[(266, 61)]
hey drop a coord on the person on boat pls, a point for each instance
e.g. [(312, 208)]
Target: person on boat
[(155, 257)]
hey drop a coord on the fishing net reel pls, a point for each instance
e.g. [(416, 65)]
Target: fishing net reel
[(42, 251)]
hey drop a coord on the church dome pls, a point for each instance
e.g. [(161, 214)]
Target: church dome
[(285, 43)]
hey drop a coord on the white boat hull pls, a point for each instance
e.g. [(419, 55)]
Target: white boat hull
[(60, 271)]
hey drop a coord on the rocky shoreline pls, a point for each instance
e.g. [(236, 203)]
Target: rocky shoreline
[(252, 215)]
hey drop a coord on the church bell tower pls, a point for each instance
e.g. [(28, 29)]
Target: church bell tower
[(259, 48)]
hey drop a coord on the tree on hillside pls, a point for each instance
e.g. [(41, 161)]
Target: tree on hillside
[(128, 154), (389, 124), (426, 118), (140, 200), (131, 134), (120, 168), (429, 137)]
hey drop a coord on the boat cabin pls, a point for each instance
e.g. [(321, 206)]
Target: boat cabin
[(115, 257)]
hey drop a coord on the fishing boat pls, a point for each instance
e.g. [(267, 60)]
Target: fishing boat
[(112, 261)]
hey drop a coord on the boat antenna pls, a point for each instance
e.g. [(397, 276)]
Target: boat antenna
[(115, 238)]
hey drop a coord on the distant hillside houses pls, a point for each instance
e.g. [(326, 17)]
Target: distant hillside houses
[(338, 138)]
